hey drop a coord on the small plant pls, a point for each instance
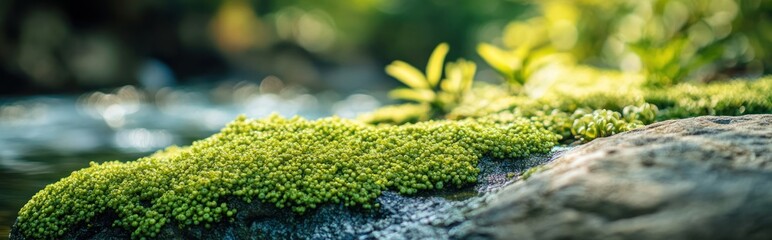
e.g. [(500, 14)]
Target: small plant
[(518, 65), (645, 113), (529, 46), (598, 123), (672, 63), (441, 95), (602, 123), (509, 64)]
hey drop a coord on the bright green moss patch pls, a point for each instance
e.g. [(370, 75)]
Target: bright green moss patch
[(728, 98), (607, 91), (293, 163), (600, 104), (584, 124)]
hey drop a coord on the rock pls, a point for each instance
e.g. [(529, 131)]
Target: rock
[(700, 178), (427, 215)]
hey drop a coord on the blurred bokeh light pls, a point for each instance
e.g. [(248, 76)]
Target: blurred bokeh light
[(49, 46)]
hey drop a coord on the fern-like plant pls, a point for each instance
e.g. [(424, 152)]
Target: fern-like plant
[(519, 64), (429, 88)]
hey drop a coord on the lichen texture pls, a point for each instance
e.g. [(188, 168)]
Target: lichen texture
[(293, 163)]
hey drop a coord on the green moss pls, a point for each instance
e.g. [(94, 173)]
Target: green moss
[(584, 108), (727, 98), (291, 163), (583, 87), (600, 123), (583, 124), (531, 171)]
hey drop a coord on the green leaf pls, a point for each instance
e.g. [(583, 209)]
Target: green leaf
[(436, 60), (407, 74), (539, 62), (459, 76), (504, 62), (523, 51), (469, 68), (418, 95), (453, 77)]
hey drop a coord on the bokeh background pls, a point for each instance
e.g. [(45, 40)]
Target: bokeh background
[(95, 80), (75, 46)]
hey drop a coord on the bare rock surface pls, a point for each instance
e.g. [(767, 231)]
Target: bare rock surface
[(700, 178)]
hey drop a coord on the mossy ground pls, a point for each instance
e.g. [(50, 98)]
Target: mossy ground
[(294, 163), (585, 103)]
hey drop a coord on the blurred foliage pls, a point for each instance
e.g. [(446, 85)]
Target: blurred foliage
[(668, 41), (59, 46), (731, 98), (397, 114), (47, 44), (527, 49)]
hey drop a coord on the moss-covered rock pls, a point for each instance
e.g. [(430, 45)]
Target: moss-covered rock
[(293, 163), (699, 178), (729, 98), (571, 108)]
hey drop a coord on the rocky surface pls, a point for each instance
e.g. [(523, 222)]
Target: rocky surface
[(700, 178), (427, 215)]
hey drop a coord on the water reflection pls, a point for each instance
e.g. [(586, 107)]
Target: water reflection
[(45, 138), (9, 160), (354, 105), (142, 140), (112, 107)]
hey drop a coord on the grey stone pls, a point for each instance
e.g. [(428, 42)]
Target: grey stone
[(701, 178)]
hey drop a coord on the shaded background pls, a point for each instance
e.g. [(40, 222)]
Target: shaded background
[(76, 46)]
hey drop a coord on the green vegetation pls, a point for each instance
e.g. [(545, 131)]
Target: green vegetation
[(588, 69), (669, 41), (583, 103), (730, 98), (427, 90), (397, 114), (531, 171), (584, 124), (524, 55), (293, 163), (600, 123)]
